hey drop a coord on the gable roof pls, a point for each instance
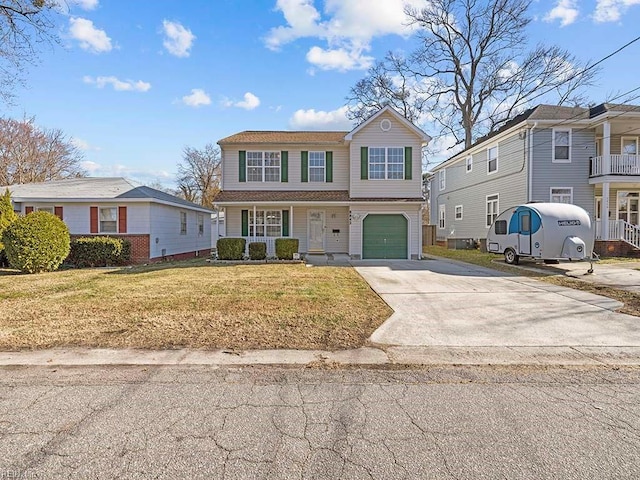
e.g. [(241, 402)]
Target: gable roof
[(387, 109), (94, 189), (249, 137)]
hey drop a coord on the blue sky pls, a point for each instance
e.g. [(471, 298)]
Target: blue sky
[(135, 81)]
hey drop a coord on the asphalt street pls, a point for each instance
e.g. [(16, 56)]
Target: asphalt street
[(272, 422)]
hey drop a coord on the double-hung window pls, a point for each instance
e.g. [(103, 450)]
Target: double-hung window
[(45, 209), (492, 159), (561, 145), (562, 195), (317, 166), (266, 223), (263, 166), (492, 208), (458, 212), (183, 223), (200, 225), (442, 213), (443, 175), (386, 163), (108, 219)]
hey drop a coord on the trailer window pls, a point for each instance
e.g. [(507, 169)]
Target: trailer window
[(501, 227)]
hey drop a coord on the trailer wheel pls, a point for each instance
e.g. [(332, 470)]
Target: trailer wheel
[(511, 257)]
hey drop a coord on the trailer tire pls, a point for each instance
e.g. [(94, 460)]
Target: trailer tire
[(511, 257)]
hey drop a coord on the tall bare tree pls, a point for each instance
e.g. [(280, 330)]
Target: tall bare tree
[(199, 174), (24, 25), (29, 153), (472, 70)]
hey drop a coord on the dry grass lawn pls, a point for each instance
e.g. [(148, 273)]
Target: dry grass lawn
[(631, 300), (190, 304)]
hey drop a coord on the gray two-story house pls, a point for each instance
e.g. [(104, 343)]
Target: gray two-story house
[(584, 156)]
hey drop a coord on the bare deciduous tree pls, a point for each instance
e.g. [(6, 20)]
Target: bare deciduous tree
[(24, 24), (29, 153), (472, 70), (199, 175)]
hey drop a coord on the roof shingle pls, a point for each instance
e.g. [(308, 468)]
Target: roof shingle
[(284, 137), (265, 196)]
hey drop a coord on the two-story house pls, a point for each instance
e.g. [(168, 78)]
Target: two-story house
[(356, 192), (585, 156)]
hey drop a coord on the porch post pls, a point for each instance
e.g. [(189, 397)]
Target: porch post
[(254, 223), (606, 150), (291, 221), (604, 214), (217, 227)]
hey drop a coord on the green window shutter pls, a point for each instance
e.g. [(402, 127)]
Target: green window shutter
[(328, 167), (284, 166), (364, 163), (245, 223), (304, 172), (408, 153), (242, 166), (285, 223)]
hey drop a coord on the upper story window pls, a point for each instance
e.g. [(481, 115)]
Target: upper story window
[(263, 166), (317, 166), (469, 163), (442, 175), (183, 223), (108, 219), (492, 159), (386, 163), (629, 145), (561, 145)]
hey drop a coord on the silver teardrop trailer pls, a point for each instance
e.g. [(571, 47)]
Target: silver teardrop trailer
[(548, 231)]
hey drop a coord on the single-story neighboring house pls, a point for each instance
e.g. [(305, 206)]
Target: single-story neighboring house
[(158, 225)]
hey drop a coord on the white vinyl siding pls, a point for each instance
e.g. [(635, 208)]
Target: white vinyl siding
[(492, 159), (263, 166), (561, 145), (561, 195), (492, 208)]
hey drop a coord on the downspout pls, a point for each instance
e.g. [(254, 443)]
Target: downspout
[(530, 186), (420, 231)]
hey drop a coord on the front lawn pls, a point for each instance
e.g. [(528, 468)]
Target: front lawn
[(190, 304)]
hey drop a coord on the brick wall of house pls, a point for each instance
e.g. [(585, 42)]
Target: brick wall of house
[(140, 245), (615, 248), (183, 256)]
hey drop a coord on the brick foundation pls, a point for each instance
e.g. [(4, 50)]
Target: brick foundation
[(615, 248), (182, 256), (140, 245)]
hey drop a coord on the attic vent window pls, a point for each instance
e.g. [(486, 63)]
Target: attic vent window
[(385, 125)]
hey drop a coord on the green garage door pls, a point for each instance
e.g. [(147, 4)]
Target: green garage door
[(384, 236)]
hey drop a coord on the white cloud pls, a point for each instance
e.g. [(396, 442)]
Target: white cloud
[(178, 39), (348, 27), (565, 10), (612, 10), (250, 102), (321, 120), (91, 38), (117, 84), (197, 98), (144, 177), (85, 4)]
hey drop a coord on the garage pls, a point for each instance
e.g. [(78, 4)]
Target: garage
[(384, 236)]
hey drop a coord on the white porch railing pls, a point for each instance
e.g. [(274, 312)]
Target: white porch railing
[(615, 165), (270, 241), (619, 230)]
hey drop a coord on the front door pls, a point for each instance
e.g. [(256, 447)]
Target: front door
[(524, 234), (316, 231)]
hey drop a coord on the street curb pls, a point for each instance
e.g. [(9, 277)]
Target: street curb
[(366, 356)]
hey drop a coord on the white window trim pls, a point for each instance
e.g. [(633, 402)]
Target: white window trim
[(114, 207), (497, 159), (486, 207), (469, 164), (442, 178), (45, 208), (553, 145), (442, 217), (200, 222), (618, 201), (263, 167), (551, 189), (455, 215), (265, 225), (186, 223), (622, 139), (324, 167), (386, 164)]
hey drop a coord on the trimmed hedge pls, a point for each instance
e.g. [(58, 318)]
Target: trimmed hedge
[(257, 251), (99, 252), (231, 248), (286, 247), (37, 242)]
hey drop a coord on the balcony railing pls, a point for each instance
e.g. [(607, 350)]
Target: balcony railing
[(615, 165), (270, 241)]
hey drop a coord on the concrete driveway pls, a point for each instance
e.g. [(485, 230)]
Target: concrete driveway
[(445, 303)]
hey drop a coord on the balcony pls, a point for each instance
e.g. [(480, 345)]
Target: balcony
[(615, 165)]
